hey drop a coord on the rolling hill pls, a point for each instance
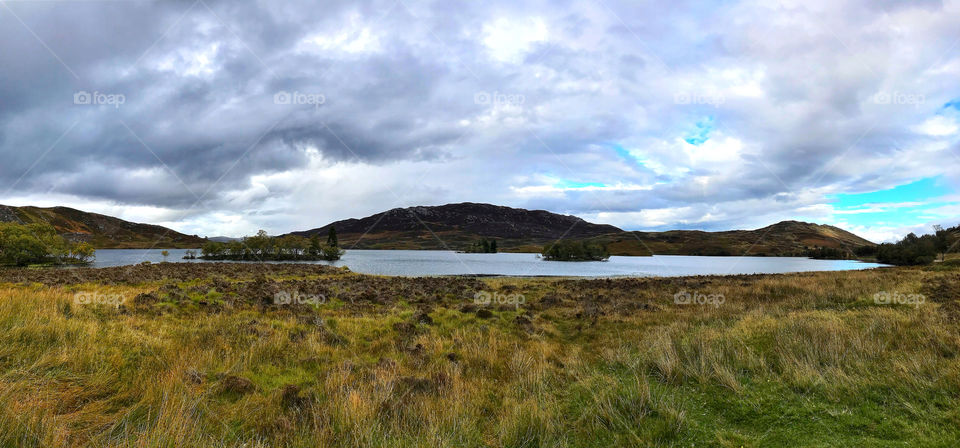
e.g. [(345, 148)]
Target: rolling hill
[(455, 226), (103, 232), (786, 238)]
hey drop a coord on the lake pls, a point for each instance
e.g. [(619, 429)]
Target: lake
[(431, 262)]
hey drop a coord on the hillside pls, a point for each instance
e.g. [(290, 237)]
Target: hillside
[(103, 232), (454, 226), (781, 239)]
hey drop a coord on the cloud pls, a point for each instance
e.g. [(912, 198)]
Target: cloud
[(238, 116)]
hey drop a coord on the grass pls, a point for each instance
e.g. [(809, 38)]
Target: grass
[(785, 360)]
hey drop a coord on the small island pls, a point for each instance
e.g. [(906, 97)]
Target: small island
[(569, 250), (262, 247), (483, 246), (40, 244)]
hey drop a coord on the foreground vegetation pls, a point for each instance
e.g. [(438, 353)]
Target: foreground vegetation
[(25, 244), (301, 355)]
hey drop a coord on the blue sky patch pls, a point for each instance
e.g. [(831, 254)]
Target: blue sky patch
[(701, 132), (898, 206), (569, 184)]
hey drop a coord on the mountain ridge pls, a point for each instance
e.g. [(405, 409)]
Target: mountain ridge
[(457, 226), (454, 226)]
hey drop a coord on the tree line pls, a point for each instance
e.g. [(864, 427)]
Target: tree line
[(829, 253), (39, 243), (571, 250), (916, 250), (484, 246), (262, 247)]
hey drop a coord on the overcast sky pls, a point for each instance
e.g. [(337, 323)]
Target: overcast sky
[(224, 117)]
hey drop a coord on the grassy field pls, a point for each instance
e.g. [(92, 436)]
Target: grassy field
[(206, 356)]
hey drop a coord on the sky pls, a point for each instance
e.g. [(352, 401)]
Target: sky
[(225, 117)]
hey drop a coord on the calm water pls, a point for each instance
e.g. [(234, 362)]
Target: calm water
[(424, 262)]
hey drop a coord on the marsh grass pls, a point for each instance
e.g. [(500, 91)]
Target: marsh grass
[(787, 360)]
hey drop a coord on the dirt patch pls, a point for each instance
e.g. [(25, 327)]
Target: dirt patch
[(237, 384), (942, 289)]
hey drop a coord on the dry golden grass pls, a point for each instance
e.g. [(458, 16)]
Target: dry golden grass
[(800, 359)]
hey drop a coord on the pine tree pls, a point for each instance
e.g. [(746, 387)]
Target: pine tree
[(332, 238), (493, 246), (315, 245)]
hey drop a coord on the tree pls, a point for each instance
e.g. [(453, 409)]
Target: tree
[(165, 254), (332, 238), (493, 246), (38, 243), (259, 244), (331, 253), (315, 245), (236, 249), (485, 245), (299, 244), (942, 241), (212, 249), (83, 252)]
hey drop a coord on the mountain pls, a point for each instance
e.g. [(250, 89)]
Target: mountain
[(455, 226), (103, 232), (781, 239)]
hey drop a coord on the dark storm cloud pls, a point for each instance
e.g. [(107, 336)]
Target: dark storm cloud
[(198, 81)]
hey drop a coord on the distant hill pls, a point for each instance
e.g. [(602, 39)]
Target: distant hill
[(223, 239), (785, 238), (103, 232), (455, 226)]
